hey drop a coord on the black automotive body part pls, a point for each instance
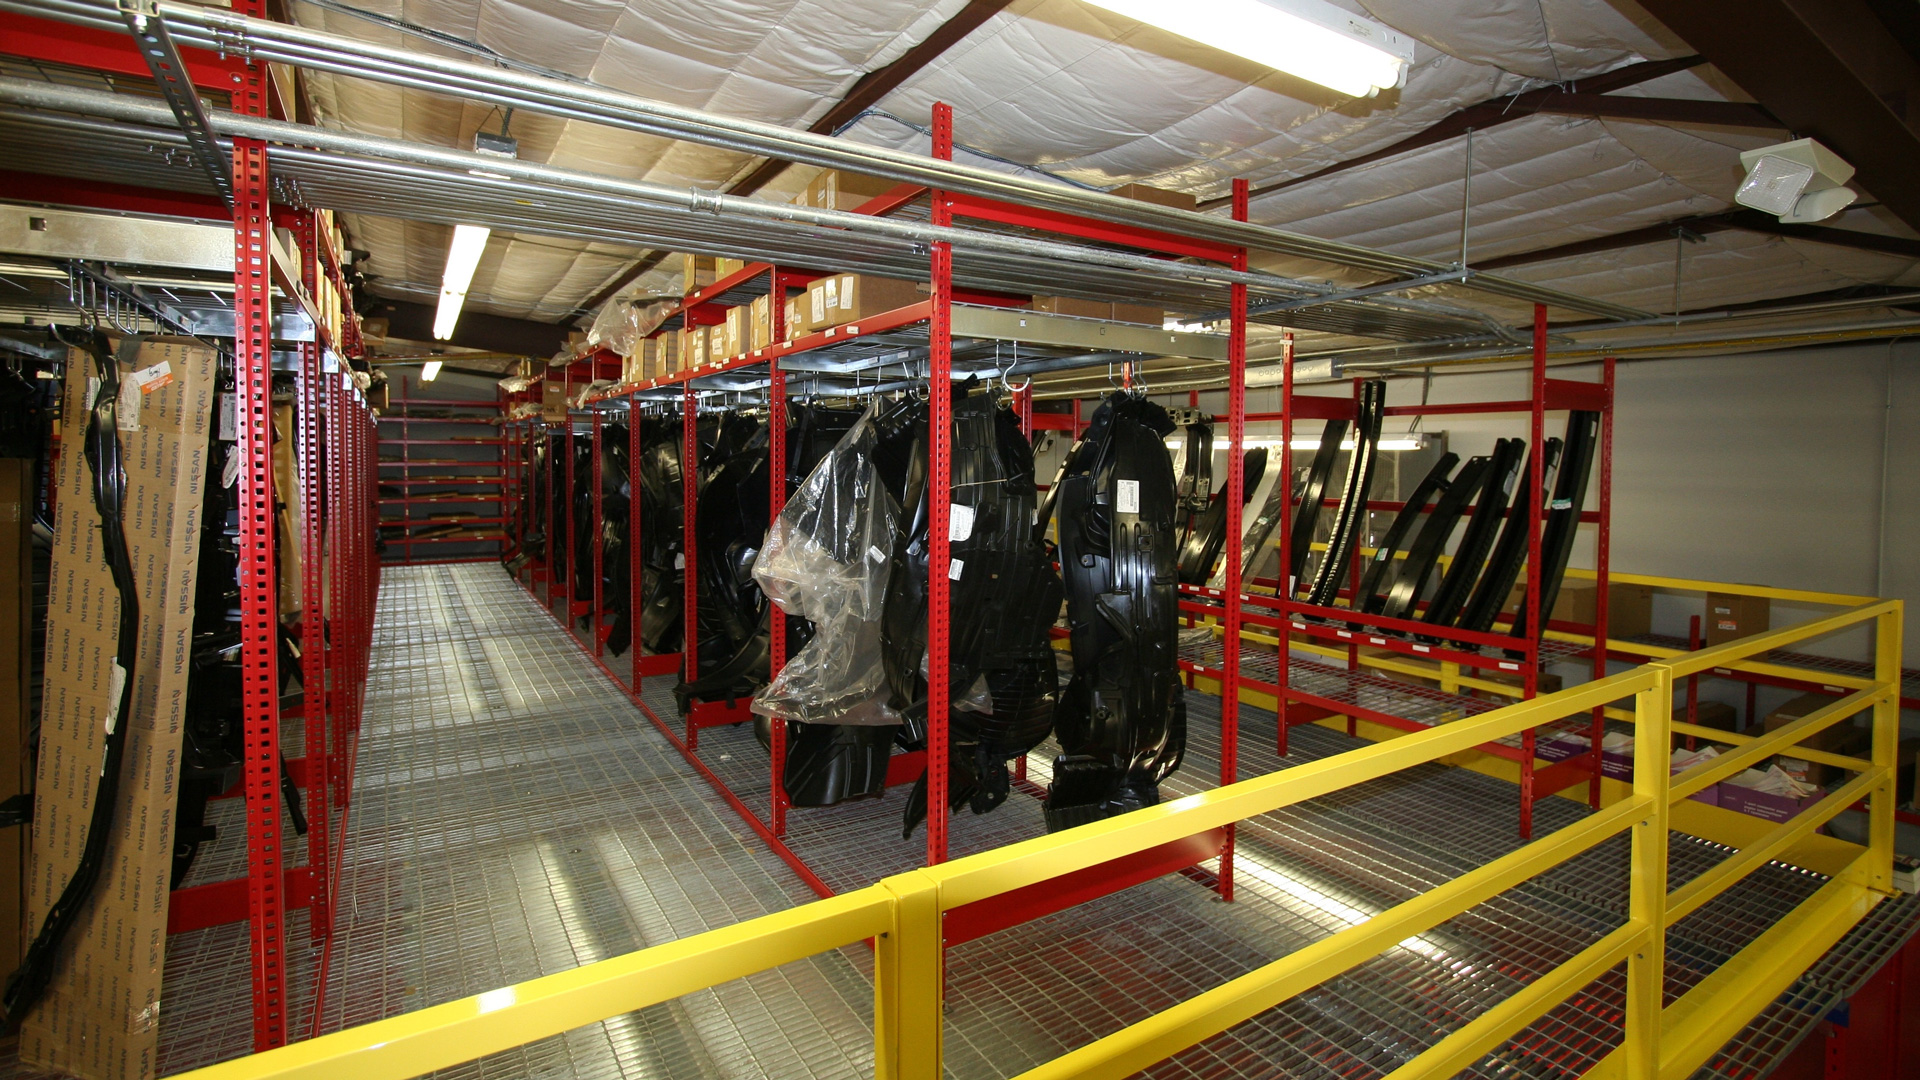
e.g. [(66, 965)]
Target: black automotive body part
[(1563, 515), (661, 540), (730, 521), (1510, 553), (1471, 556), (1004, 599), (1196, 471), (103, 454), (1380, 571), (1122, 720), (1353, 494), (615, 523), (1312, 494), (1207, 531), (1403, 595)]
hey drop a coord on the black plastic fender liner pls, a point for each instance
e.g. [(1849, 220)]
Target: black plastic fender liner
[(1207, 532), (1352, 513), (1470, 557), (730, 522), (1509, 553), (832, 763), (1410, 581), (103, 454), (1307, 517), (1121, 723), (1380, 570), (1563, 515)]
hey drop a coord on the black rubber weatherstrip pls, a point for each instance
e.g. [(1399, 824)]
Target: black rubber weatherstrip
[(1353, 494), (1196, 472), (1207, 532), (1311, 494), (1563, 516), (1403, 597), (1380, 571), (1509, 554), (1477, 542), (103, 453)]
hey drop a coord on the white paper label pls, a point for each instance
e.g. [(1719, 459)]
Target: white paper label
[(830, 293), (229, 418), (680, 561), (876, 555), (846, 292), (129, 414), (153, 378), (231, 470), (953, 569), (960, 522), (1126, 496), (818, 298), (116, 682), (1563, 504)]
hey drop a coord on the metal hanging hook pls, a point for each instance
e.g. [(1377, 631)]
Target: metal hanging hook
[(1006, 381)]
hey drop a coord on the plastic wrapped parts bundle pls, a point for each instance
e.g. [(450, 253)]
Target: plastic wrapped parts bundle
[(1122, 720), (1004, 597), (827, 560)]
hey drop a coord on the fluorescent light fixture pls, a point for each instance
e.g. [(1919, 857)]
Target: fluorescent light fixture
[(463, 257), (1387, 442), (430, 371), (1312, 39), (1798, 182)]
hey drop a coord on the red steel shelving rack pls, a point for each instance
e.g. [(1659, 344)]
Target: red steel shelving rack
[(397, 443)]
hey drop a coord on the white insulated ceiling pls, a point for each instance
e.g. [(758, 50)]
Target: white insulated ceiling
[(1096, 99)]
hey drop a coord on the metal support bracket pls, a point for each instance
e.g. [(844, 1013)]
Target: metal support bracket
[(170, 72)]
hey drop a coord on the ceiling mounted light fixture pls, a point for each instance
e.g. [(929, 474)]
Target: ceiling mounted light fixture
[(463, 257), (1798, 182), (1312, 39), (430, 371)]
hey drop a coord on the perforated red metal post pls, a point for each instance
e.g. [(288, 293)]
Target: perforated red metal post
[(1536, 519), (596, 530), (939, 501), (777, 500), (635, 564), (690, 578), (1236, 489), (313, 653)]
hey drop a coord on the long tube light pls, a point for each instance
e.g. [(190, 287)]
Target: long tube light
[(430, 371), (1308, 443), (463, 257), (1312, 39)]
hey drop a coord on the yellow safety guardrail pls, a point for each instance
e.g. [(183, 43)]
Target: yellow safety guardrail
[(902, 915)]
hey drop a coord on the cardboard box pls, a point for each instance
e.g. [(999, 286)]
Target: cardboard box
[(1629, 607), (693, 347), (727, 267), (1731, 616), (553, 400), (1843, 738), (737, 333), (1760, 804), (668, 361), (1179, 200), (16, 687), (697, 272), (760, 323), (100, 1016), (838, 299), (832, 189), (1099, 309), (792, 325)]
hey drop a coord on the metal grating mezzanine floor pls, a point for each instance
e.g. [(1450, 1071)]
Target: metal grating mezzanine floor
[(514, 815)]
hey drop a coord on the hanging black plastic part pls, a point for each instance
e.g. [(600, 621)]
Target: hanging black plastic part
[(1307, 517), (1563, 515), (1509, 554), (1403, 596), (1353, 494), (103, 454), (1207, 532), (17, 810), (1477, 541), (1380, 572)]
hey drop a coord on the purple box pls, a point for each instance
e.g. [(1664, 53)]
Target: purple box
[(1558, 749), (1762, 805), (1618, 766), (1709, 795)]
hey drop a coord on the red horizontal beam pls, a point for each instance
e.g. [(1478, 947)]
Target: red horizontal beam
[(982, 917), (98, 195), (55, 42), (1089, 228)]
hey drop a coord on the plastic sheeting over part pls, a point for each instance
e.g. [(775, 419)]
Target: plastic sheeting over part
[(827, 559)]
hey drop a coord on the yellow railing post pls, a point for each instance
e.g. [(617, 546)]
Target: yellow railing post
[(1647, 888), (1886, 741), (909, 983)]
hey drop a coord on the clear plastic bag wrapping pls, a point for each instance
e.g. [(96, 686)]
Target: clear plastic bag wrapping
[(826, 559)]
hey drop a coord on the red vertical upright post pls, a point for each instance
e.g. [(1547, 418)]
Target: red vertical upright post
[(777, 501), (311, 448), (1236, 491), (1536, 518), (550, 485), (636, 565), (690, 578), (597, 601), (566, 507), (1284, 662), (939, 501), (1602, 568)]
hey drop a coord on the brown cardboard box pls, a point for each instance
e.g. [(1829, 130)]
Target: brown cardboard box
[(693, 347), (838, 299), (736, 333), (667, 362), (791, 323), (553, 399), (833, 189), (1629, 607), (1179, 200), (1099, 309), (99, 1018), (727, 267), (1731, 616), (1842, 738), (16, 678), (760, 323), (697, 272)]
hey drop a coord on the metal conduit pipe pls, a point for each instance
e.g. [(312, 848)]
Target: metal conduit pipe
[(258, 39)]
